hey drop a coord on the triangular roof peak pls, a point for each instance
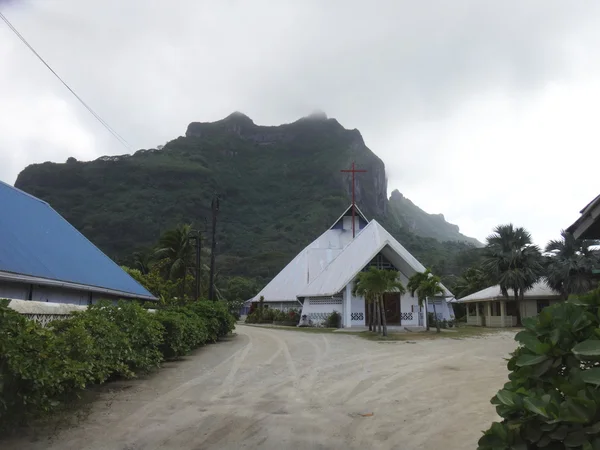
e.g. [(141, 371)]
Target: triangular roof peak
[(370, 241), (359, 213)]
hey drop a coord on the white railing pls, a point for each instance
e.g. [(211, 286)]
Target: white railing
[(45, 312)]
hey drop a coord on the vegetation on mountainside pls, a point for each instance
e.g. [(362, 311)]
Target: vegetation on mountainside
[(424, 224), (280, 187), (42, 368)]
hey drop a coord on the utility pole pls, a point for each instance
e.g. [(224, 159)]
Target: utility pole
[(214, 206), (198, 238)]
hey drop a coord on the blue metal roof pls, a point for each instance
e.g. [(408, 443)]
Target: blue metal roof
[(37, 241)]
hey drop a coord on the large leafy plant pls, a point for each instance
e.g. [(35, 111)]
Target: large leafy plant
[(552, 398), (42, 367)]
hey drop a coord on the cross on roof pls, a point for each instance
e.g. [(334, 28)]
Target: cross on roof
[(353, 171)]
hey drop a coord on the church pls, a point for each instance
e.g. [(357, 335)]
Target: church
[(320, 279)]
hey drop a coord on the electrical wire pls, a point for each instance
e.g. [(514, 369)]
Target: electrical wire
[(102, 121)]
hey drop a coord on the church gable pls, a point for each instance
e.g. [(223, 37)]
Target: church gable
[(344, 222), (380, 262), (373, 245)]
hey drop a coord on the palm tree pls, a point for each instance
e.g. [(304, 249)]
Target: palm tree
[(472, 280), (361, 288), (512, 261), (570, 264), (175, 253), (372, 284), (143, 261), (426, 285)]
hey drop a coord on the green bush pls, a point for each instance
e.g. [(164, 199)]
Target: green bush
[(33, 373), (263, 315), (188, 327), (552, 398), (41, 367), (334, 320), (179, 333)]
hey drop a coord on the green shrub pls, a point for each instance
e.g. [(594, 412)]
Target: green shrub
[(142, 330), (42, 367), (264, 315), (552, 398), (110, 345), (32, 372), (222, 322), (334, 320)]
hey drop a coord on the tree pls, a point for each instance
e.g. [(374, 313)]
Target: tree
[(237, 290), (373, 284), (570, 264), (512, 261), (426, 285), (175, 252), (471, 280), (361, 288), (143, 261)]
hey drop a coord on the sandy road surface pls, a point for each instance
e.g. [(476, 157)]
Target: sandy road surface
[(279, 389)]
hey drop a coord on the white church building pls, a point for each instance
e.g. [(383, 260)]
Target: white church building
[(320, 279)]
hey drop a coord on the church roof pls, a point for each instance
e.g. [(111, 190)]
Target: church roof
[(356, 255), (332, 260), (38, 246)]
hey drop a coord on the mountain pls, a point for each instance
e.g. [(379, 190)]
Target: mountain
[(279, 187), (417, 221)]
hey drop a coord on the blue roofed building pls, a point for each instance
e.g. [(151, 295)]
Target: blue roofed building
[(44, 258)]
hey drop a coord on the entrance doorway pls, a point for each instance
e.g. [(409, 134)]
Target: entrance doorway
[(391, 306)]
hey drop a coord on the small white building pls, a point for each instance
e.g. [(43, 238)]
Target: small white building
[(320, 279), (489, 308)]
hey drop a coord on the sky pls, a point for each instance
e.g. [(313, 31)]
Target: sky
[(484, 111)]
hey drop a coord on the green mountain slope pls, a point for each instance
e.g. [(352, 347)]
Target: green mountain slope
[(280, 187), (424, 224)]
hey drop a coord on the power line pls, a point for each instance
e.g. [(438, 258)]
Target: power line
[(102, 121)]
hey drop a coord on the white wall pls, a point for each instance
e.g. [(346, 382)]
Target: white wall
[(443, 308), (17, 291), (50, 294), (318, 308), (59, 295)]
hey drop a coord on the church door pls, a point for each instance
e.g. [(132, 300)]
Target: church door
[(391, 305)]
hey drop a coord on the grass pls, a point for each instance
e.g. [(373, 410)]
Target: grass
[(317, 330), (451, 333)]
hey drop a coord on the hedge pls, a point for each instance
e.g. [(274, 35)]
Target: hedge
[(41, 368), (552, 398)]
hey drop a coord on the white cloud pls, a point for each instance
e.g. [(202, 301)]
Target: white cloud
[(483, 111)]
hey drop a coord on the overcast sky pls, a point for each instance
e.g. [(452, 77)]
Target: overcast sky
[(485, 111)]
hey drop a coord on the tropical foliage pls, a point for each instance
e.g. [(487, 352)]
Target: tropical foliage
[(570, 265), (372, 284), (552, 398), (41, 368), (470, 281), (175, 252), (426, 285), (512, 261)]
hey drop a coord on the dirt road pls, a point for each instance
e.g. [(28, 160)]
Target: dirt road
[(279, 389)]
